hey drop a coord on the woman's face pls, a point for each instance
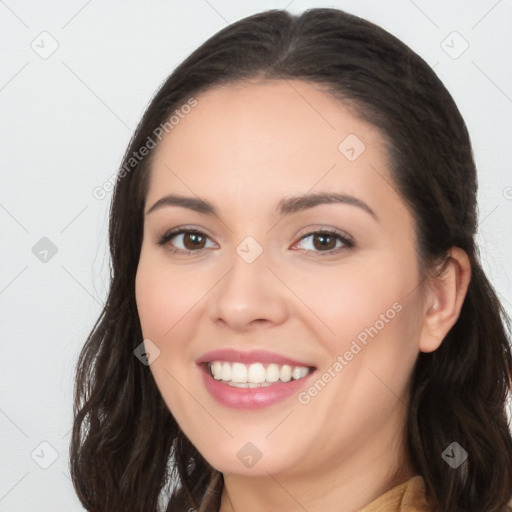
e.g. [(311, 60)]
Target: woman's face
[(259, 276)]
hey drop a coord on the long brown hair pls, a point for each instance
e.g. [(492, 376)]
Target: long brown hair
[(126, 447)]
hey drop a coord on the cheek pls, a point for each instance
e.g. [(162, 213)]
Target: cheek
[(371, 319), (377, 325), (163, 301), (359, 301), (163, 298)]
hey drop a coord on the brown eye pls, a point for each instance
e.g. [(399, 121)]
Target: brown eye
[(324, 241), (185, 241), (328, 242), (192, 240)]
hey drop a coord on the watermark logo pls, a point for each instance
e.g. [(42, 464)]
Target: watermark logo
[(454, 455), (44, 250), (249, 249), (351, 147), (454, 45), (44, 455), (249, 454), (147, 352), (45, 45)]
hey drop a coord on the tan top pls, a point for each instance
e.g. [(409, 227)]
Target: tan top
[(406, 497)]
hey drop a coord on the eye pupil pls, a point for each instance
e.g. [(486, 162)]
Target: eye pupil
[(196, 239), (325, 239)]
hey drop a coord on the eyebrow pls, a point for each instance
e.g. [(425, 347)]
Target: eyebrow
[(286, 206)]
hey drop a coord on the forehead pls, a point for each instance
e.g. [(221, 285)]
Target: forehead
[(253, 142), (297, 115)]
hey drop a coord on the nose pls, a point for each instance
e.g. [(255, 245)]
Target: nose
[(249, 296)]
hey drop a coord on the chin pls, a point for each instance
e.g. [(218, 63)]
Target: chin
[(257, 458), (262, 467)]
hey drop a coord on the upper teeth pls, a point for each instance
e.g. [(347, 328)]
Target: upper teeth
[(256, 373)]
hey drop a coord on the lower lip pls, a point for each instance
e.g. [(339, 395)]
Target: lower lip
[(251, 398)]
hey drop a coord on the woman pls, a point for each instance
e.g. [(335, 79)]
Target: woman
[(298, 318)]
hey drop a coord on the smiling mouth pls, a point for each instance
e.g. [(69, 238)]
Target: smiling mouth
[(255, 375)]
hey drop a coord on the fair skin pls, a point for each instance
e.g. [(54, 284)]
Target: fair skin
[(244, 148)]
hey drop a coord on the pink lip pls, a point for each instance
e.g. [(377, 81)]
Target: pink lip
[(251, 398), (253, 356)]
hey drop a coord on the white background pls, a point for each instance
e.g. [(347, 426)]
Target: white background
[(66, 122)]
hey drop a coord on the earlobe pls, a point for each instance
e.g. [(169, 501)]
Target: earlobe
[(444, 300)]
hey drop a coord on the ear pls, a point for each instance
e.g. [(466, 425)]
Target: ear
[(444, 300)]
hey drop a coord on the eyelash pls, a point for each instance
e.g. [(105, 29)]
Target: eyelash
[(348, 242)]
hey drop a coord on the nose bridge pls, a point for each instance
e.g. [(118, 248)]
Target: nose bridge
[(248, 272), (249, 291)]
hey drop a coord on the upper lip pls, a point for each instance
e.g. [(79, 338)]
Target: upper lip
[(248, 357)]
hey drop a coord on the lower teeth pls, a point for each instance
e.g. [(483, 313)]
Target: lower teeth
[(252, 384), (247, 384)]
